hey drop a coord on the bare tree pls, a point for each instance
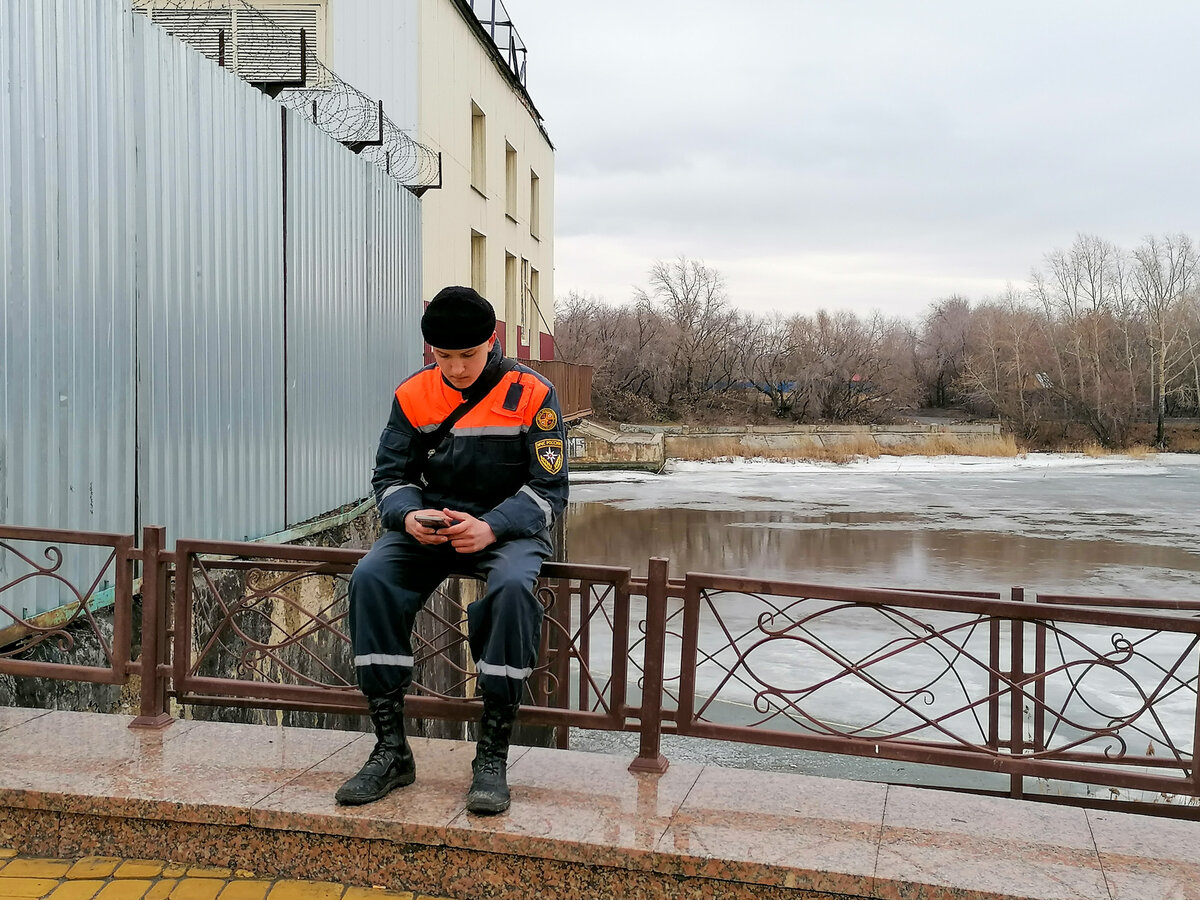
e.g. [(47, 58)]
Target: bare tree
[(698, 333), (619, 342), (769, 361), (1102, 337), (844, 368), (1004, 370), (1190, 333), (940, 348), (1082, 292), (1164, 275)]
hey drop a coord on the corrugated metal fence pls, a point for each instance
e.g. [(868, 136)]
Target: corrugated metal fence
[(184, 342)]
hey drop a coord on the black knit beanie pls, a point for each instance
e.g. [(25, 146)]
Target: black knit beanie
[(458, 318)]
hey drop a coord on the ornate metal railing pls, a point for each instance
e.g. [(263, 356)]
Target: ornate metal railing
[(1026, 689), (85, 571), (1090, 690)]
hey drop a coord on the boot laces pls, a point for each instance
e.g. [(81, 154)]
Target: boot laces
[(491, 765), (382, 754)]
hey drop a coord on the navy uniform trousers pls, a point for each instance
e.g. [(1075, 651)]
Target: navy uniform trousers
[(393, 581)]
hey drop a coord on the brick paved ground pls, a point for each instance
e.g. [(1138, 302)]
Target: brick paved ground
[(111, 878)]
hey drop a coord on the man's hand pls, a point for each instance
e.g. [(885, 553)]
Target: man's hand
[(468, 534), (423, 534)]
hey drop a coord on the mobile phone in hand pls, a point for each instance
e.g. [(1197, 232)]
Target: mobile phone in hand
[(434, 522)]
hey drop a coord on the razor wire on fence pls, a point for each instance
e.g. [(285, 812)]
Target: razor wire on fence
[(276, 51)]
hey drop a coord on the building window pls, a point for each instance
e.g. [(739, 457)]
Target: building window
[(534, 312), (510, 181), (478, 149), (535, 204), (512, 300), (523, 321), (479, 262)]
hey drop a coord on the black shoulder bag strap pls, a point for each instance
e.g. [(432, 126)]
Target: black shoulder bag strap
[(486, 384)]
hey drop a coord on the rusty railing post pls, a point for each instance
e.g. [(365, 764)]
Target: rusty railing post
[(562, 658), (689, 655), (1016, 728), (122, 643), (650, 758), (153, 712), (1196, 744), (1038, 742)]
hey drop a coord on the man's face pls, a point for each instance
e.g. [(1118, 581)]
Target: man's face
[(462, 367)]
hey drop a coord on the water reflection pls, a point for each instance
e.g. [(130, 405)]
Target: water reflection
[(1121, 528), (866, 548)]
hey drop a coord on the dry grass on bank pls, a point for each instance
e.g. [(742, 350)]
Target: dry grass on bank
[(1137, 451), (1182, 437), (950, 445), (1184, 441), (729, 448), (848, 449)]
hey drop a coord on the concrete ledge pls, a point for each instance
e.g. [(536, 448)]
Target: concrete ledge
[(649, 446), (581, 825)]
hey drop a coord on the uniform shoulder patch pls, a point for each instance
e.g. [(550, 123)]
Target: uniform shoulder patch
[(549, 453), (546, 419)]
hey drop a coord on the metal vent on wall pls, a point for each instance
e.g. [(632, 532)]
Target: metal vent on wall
[(260, 48), (265, 55), (201, 28), (277, 49)]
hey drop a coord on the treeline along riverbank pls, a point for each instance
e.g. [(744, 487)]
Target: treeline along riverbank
[(1101, 345)]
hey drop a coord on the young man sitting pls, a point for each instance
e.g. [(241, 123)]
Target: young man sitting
[(470, 474)]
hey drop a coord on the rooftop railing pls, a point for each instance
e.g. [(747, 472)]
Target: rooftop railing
[(496, 21)]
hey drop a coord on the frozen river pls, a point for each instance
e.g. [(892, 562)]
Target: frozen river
[(1055, 523)]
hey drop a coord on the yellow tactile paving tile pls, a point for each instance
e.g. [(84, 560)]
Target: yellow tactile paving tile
[(94, 867), (245, 890), (139, 868), (197, 889), (82, 889), (306, 890), (26, 887), (34, 867), (209, 872), (112, 878), (126, 889)]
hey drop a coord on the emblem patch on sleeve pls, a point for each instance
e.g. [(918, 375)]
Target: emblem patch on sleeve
[(545, 419), (549, 452)]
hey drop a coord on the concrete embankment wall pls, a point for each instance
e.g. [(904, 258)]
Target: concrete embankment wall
[(649, 446)]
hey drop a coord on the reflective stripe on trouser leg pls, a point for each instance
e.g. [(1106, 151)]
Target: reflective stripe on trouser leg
[(387, 589), (505, 624)]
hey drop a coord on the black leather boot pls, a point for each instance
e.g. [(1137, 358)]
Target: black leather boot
[(390, 764), (489, 788)]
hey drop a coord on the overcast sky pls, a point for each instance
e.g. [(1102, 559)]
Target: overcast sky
[(860, 154)]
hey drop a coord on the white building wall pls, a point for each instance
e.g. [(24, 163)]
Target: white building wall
[(454, 71), (373, 45), (427, 64)]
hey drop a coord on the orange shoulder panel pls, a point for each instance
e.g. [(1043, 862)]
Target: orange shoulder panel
[(425, 398), (491, 411), (537, 396)]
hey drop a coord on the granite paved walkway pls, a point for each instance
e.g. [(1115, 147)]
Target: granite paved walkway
[(260, 798)]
